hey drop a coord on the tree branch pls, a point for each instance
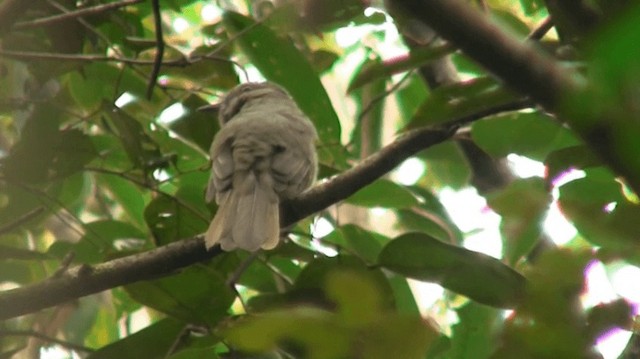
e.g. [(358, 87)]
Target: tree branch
[(367, 171), (533, 73), (155, 71), (84, 280), (521, 66), (93, 10)]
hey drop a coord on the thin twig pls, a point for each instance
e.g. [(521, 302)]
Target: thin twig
[(157, 62), (541, 30), (22, 220), (235, 276), (381, 96), (64, 264), (33, 55), (93, 10), (151, 188)]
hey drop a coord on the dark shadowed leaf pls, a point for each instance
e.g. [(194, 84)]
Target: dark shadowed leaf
[(197, 295), (198, 127), (152, 342), (376, 70), (565, 159)]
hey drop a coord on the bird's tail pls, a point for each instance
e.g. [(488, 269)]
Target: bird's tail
[(248, 216)]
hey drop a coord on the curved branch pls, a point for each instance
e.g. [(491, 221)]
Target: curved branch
[(84, 280), (533, 73)]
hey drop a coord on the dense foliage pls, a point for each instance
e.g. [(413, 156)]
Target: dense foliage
[(103, 166)]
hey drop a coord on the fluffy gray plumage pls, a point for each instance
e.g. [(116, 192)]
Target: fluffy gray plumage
[(263, 153)]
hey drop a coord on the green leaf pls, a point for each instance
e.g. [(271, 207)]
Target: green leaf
[(585, 202), (522, 205), (453, 103), (45, 153), (127, 194), (372, 71), (196, 295), (430, 217), (397, 337), (383, 193), (310, 284), (217, 71), (280, 61), (575, 157), (530, 134), (329, 14), (473, 337), (446, 165), (475, 275), (367, 245), (152, 342), (313, 329), (197, 127), (142, 150), (171, 218)]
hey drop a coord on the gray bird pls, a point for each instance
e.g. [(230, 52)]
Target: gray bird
[(263, 153)]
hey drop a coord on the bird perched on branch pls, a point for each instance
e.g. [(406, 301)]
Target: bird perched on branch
[(263, 153)]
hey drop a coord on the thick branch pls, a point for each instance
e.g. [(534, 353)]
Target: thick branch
[(533, 73), (84, 280), (520, 65), (367, 171)]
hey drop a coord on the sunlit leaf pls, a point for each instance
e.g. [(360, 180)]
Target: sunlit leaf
[(383, 193), (531, 134), (475, 275)]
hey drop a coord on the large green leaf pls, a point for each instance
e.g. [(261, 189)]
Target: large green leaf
[(280, 61), (454, 102), (596, 206), (152, 342), (360, 327), (196, 295), (473, 274), (375, 70), (45, 153), (383, 193), (530, 134)]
